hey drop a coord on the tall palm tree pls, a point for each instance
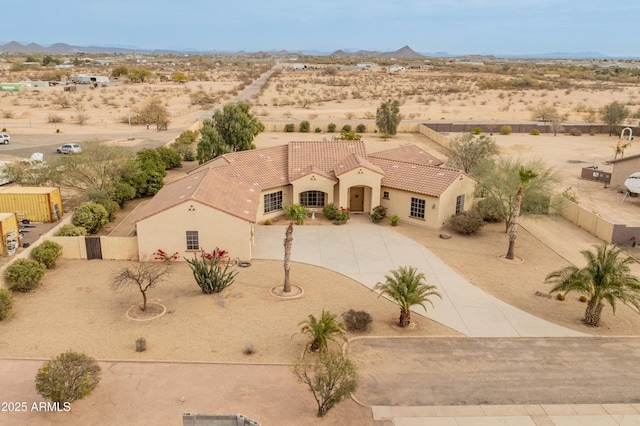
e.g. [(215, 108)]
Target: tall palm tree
[(322, 331), (407, 287), (526, 176), (606, 277), (295, 213)]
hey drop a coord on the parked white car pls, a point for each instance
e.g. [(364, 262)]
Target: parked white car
[(69, 148), (5, 138)]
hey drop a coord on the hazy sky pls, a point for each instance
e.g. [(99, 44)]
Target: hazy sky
[(609, 27)]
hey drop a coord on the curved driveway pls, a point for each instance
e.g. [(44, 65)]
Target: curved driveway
[(366, 252)]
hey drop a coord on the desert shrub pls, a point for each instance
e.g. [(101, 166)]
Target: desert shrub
[(25, 274), (68, 377), (560, 296), (122, 192), (331, 127), (378, 213), (569, 194), (212, 272), (318, 130), (331, 378), (533, 203), (47, 253), (330, 211), (305, 126), (91, 216), (346, 128), (186, 152), (361, 128), (476, 130), (535, 132), (489, 212), (350, 136), (357, 320), (102, 197), (70, 230), (141, 344), (6, 303), (575, 132), (505, 130), (583, 298), (290, 127), (467, 222)]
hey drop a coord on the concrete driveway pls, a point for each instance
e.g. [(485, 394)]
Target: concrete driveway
[(366, 252)]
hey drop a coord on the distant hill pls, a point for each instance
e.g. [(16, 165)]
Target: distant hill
[(405, 52)]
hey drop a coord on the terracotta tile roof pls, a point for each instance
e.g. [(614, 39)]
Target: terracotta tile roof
[(313, 169), (265, 167), (427, 180), (209, 186), (408, 154), (322, 155), (354, 161)]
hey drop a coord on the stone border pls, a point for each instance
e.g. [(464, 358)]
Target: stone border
[(164, 311), (517, 260), (295, 294)]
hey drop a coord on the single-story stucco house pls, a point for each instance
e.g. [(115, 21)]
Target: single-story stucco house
[(219, 203)]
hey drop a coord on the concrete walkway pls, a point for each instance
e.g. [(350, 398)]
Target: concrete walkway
[(366, 252)]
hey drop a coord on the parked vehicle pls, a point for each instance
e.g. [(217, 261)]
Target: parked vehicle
[(5, 138), (69, 148)]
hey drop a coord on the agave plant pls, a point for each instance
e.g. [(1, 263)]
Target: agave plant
[(322, 331)]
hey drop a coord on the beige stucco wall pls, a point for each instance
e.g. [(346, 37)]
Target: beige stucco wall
[(287, 199), (621, 171), (438, 210), (360, 176), (313, 182), (399, 203), (167, 231)]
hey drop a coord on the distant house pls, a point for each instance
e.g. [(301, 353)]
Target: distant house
[(89, 79), (219, 203), (396, 68)]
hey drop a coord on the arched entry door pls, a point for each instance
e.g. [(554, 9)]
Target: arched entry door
[(356, 198)]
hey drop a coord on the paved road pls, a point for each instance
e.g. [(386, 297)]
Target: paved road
[(469, 371)]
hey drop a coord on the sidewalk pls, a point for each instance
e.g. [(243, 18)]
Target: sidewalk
[(366, 252)]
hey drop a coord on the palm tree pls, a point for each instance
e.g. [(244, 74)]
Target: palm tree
[(322, 331), (295, 213), (526, 176), (407, 287), (606, 277)]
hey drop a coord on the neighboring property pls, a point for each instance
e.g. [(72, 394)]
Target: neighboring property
[(89, 79), (32, 203), (622, 168), (219, 203)]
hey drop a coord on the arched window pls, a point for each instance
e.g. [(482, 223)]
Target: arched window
[(312, 198)]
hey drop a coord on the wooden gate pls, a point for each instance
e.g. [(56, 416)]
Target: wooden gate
[(94, 249)]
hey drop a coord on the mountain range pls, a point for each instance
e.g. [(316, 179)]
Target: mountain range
[(405, 52)]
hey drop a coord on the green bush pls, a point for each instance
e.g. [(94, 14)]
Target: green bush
[(47, 253), (535, 132), (305, 126), (575, 132), (25, 274), (505, 130), (170, 157), (378, 214), (346, 128), (123, 192), (331, 128), (331, 211), (467, 222), (291, 127), (68, 377), (357, 320), (102, 198), (476, 130), (70, 230), (6, 303), (489, 212), (91, 216), (318, 130), (361, 128)]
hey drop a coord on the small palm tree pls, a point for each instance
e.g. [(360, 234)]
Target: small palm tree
[(322, 331), (526, 176), (606, 277), (407, 287), (295, 213)]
